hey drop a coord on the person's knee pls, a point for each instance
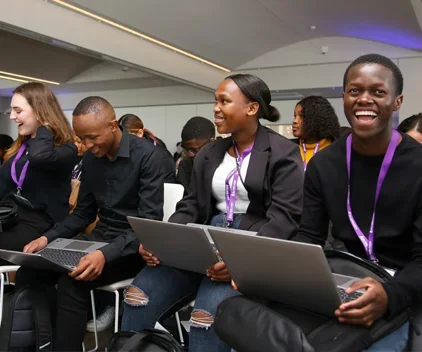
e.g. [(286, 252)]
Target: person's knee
[(201, 319), (134, 296)]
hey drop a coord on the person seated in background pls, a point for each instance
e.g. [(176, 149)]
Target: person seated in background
[(38, 166), (369, 185), (77, 170), (265, 197), (196, 133), (412, 126), (134, 125), (316, 126), (121, 176), (5, 143)]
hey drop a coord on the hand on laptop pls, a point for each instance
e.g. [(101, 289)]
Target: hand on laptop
[(218, 272), (149, 258), (90, 267), (369, 307), (36, 245)]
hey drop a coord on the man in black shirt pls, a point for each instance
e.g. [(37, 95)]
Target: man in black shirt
[(122, 176), (197, 132), (387, 230)]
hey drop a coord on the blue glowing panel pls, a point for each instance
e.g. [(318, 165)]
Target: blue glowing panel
[(387, 35)]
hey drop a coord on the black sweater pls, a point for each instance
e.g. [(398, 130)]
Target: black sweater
[(47, 181), (398, 221)]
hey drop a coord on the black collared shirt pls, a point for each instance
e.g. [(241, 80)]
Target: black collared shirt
[(131, 184)]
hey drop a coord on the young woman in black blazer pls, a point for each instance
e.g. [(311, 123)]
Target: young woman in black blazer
[(266, 198), (38, 166)]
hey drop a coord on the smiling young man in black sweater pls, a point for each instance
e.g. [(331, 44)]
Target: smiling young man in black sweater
[(342, 183)]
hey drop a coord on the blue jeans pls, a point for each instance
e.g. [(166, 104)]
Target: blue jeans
[(168, 289), (395, 342)]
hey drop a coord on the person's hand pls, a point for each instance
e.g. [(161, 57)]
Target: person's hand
[(36, 245), (149, 258), (90, 267), (218, 272), (369, 307), (234, 286)]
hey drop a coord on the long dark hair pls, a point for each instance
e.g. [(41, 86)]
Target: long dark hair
[(319, 119)]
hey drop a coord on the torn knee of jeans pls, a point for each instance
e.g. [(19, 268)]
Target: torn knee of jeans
[(201, 319), (134, 296)]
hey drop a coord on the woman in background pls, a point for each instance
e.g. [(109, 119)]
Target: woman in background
[(412, 126), (38, 166), (134, 125), (316, 126)]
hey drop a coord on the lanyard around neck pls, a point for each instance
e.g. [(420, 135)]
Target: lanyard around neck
[(235, 174), (19, 182), (368, 241), (305, 150)]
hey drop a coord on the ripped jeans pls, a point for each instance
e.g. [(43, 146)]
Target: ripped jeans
[(167, 289)]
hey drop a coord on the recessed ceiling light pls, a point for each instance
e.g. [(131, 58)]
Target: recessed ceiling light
[(28, 78), (312, 28), (13, 79)]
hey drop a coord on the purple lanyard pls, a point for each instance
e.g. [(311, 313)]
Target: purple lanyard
[(231, 190), (304, 153), (368, 242), (19, 182)]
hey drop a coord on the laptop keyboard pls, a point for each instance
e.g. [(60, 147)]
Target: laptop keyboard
[(348, 297), (62, 257)]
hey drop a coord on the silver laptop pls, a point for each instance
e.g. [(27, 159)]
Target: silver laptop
[(61, 255), (179, 246), (283, 271)]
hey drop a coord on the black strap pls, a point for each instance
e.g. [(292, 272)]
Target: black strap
[(142, 339), (41, 309), (133, 343)]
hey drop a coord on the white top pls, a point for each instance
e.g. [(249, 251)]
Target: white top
[(219, 184)]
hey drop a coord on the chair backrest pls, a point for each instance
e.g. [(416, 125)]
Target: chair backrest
[(173, 192)]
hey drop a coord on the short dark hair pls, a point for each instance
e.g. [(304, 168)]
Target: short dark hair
[(412, 122), (380, 60), (91, 105), (256, 90), (5, 141), (198, 127), (319, 119)]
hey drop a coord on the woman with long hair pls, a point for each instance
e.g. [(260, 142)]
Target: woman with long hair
[(134, 125), (316, 126), (38, 166)]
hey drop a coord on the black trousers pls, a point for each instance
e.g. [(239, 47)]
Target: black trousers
[(30, 225), (73, 297)]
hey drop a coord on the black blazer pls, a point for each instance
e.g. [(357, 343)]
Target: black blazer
[(274, 182), (47, 182)]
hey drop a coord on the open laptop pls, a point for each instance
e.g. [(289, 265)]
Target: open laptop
[(288, 272), (61, 255), (179, 246)]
